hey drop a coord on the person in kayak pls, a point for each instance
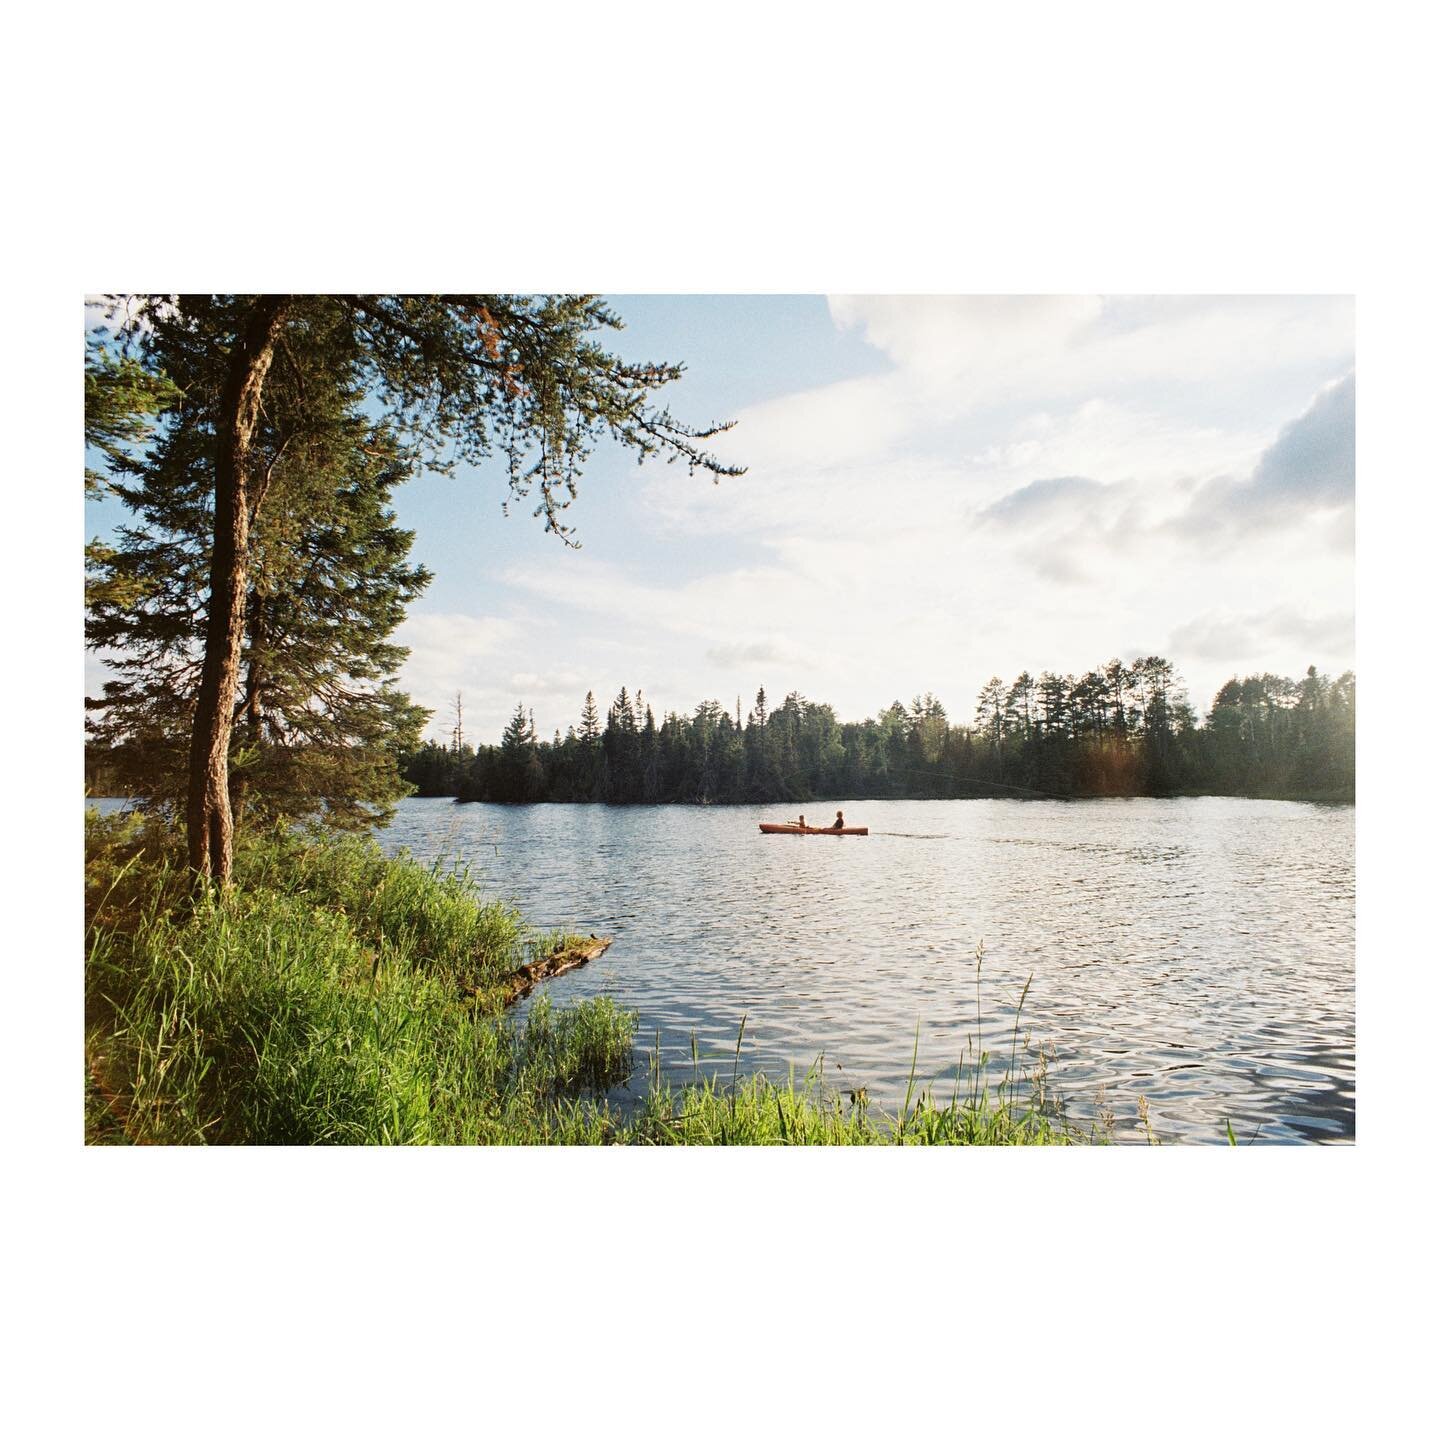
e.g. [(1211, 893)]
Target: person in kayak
[(801, 822), (839, 820)]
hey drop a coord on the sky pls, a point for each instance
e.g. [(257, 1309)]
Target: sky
[(938, 489)]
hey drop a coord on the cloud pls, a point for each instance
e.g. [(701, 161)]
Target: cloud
[(837, 424), (1313, 461), (966, 338), (990, 390), (1066, 529), (1062, 564), (1310, 468), (1109, 440), (1237, 639), (737, 655), (450, 652), (552, 682), (1006, 348), (1042, 500), (1020, 489)]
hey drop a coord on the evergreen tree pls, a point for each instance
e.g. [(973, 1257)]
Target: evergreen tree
[(590, 763), (1020, 705), (1265, 735), (123, 401), (458, 376), (990, 710), (515, 777), (317, 723), (590, 721)]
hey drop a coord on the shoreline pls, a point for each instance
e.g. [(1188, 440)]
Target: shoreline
[(334, 995)]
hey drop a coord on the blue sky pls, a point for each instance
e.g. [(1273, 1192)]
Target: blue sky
[(938, 489)]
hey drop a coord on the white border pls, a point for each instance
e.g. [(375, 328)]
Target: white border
[(641, 147)]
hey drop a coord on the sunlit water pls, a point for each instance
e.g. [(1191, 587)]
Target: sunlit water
[(1199, 953)]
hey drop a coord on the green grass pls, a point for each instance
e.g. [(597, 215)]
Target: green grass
[(756, 1111), (334, 996)]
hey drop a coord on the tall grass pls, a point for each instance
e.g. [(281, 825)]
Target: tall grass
[(336, 996), (330, 996), (757, 1111)]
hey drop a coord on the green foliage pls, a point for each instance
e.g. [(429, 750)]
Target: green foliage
[(123, 398), (460, 378), (583, 1047), (469, 375), (1272, 736), (756, 1111), (332, 996), (322, 999), (1118, 730), (319, 722)]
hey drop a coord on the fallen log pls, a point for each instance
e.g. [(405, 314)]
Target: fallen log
[(522, 981)]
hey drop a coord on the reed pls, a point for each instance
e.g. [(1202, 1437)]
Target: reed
[(334, 996)]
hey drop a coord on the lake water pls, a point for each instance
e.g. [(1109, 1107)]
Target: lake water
[(1196, 952)]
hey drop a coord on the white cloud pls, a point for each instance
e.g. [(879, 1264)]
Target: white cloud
[(965, 340), (1011, 494), (748, 653), (1309, 468), (551, 682), (1040, 499), (1110, 441), (1239, 640), (449, 653)]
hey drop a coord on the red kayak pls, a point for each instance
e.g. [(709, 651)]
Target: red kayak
[(813, 830)]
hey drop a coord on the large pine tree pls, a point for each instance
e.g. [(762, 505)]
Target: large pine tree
[(459, 376), (316, 720)]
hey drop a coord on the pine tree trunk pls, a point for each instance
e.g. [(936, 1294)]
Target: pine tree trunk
[(209, 826)]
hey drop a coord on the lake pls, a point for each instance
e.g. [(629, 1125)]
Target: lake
[(1197, 952)]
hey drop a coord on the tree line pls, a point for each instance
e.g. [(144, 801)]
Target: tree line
[(247, 606), (1116, 730)]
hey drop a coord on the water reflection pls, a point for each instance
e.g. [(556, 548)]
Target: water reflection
[(1197, 952)]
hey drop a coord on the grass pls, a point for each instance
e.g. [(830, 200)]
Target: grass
[(334, 996), (756, 1111)]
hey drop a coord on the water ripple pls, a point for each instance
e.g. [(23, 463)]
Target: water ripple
[(1197, 952)]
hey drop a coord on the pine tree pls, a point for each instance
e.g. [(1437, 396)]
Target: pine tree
[(123, 403), (317, 723), (590, 721), (1266, 735), (990, 710), (515, 772), (459, 377)]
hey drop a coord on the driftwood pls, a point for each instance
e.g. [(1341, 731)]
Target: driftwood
[(527, 977)]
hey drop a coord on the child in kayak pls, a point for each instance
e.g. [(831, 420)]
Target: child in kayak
[(839, 820)]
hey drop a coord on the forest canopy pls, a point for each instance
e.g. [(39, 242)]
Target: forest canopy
[(1116, 730)]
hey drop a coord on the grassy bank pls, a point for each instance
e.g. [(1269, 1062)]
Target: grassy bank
[(336, 996)]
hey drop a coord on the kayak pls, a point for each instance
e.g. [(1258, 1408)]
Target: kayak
[(813, 830)]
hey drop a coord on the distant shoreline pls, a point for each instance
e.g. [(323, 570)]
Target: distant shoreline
[(1302, 798)]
